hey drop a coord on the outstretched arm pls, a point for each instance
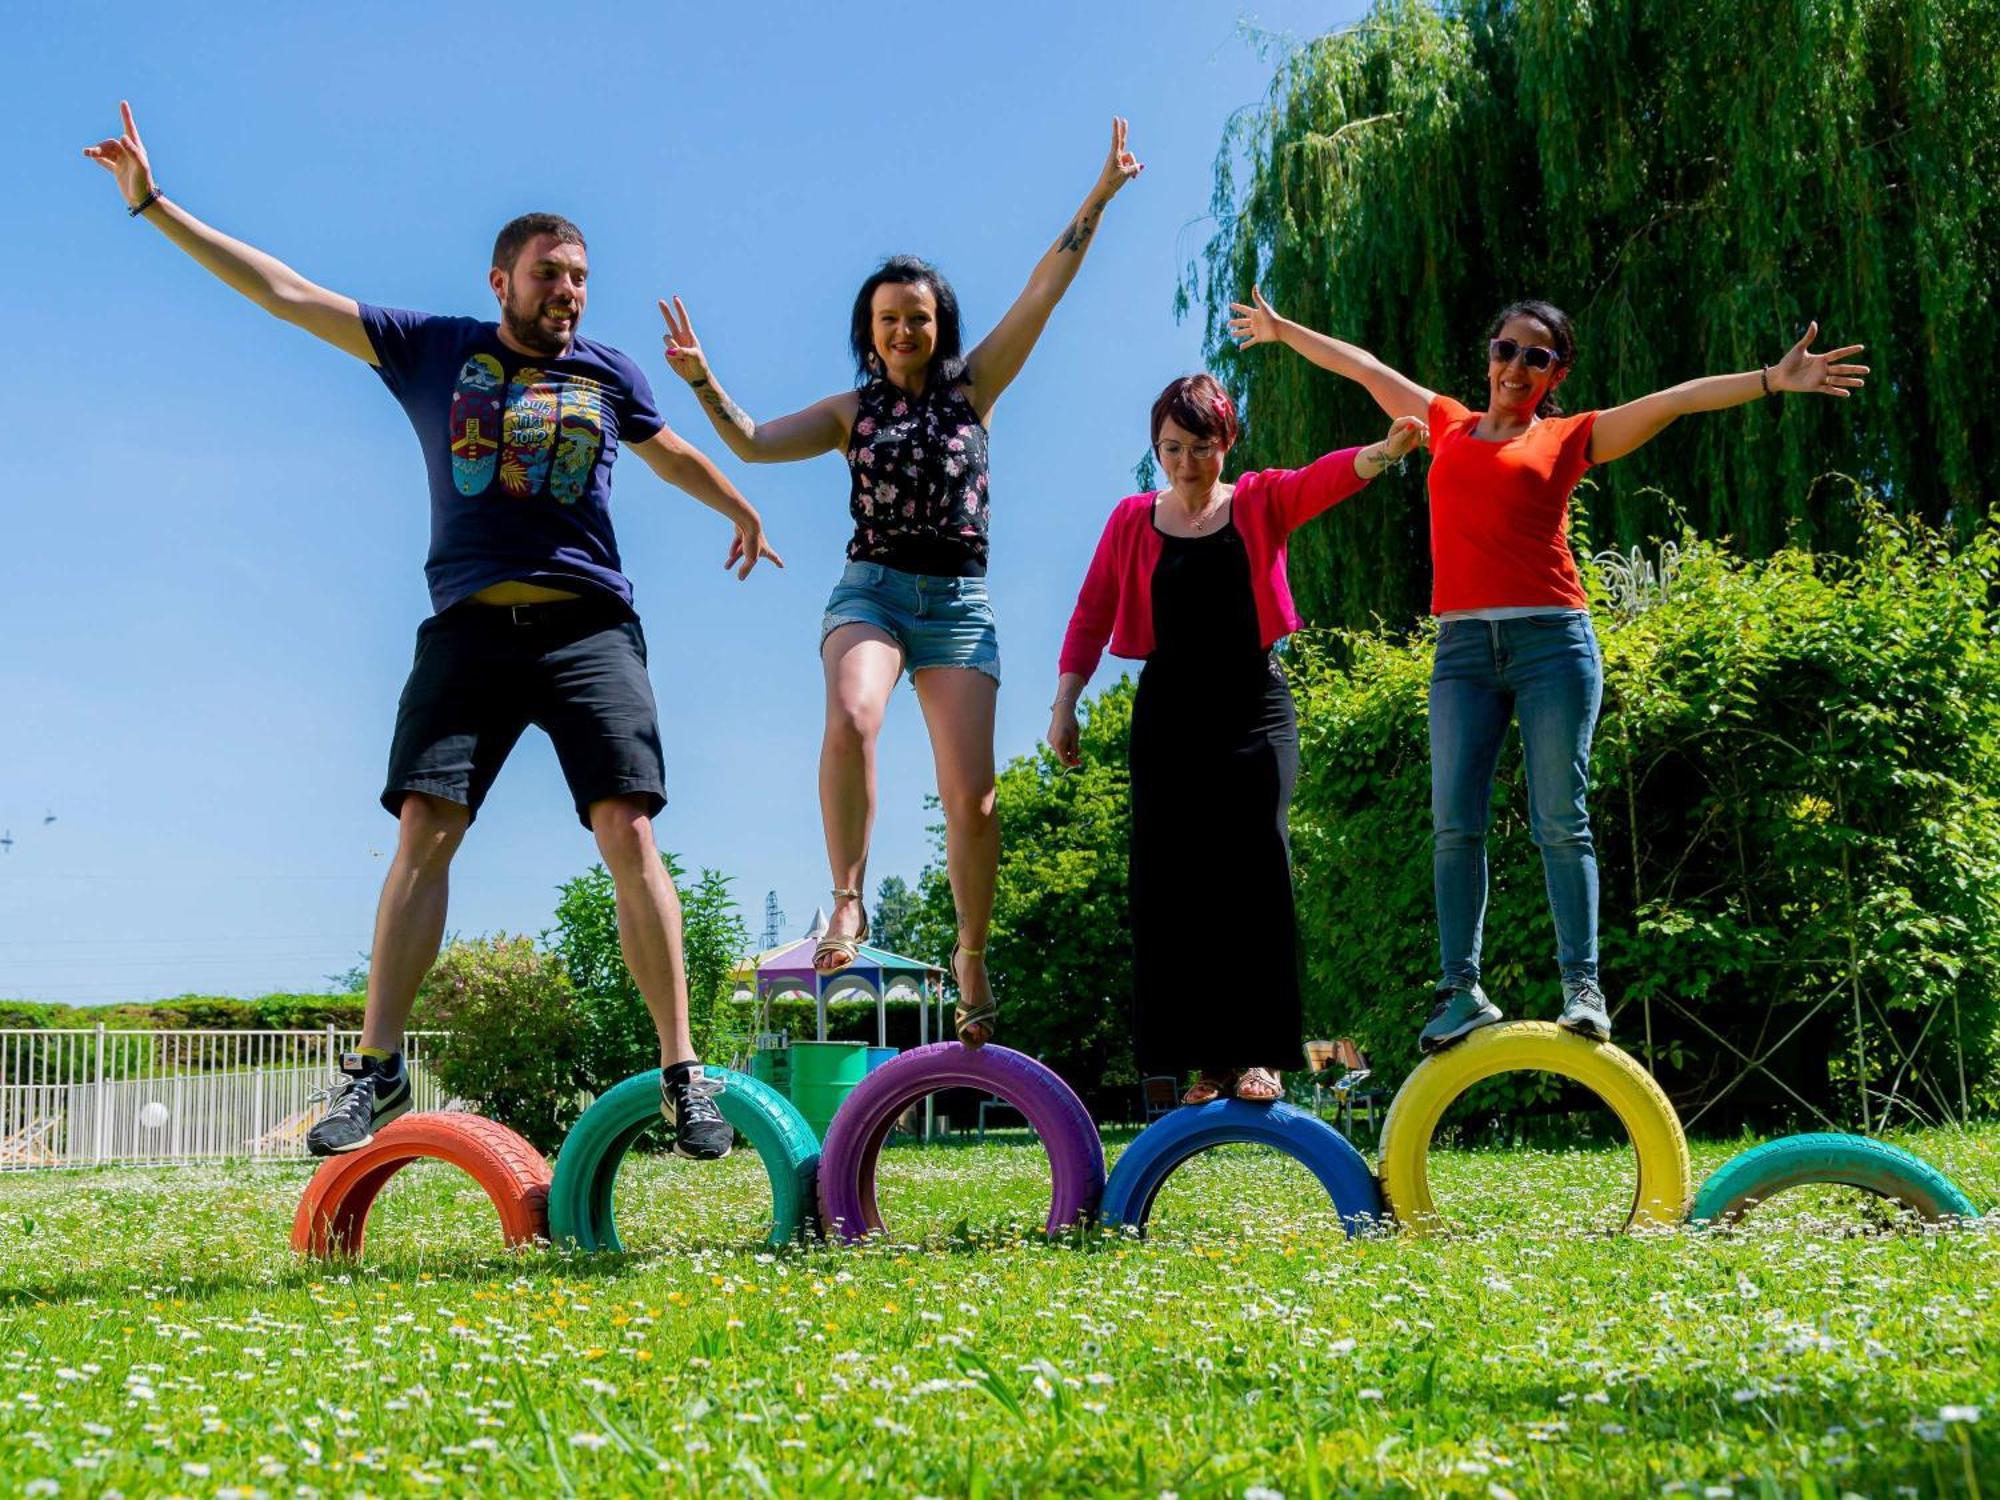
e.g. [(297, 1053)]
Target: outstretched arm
[(686, 467), (820, 428), (1623, 429), (264, 279), (1257, 322), (992, 366)]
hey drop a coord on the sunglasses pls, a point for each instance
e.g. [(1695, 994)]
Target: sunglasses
[(1534, 356)]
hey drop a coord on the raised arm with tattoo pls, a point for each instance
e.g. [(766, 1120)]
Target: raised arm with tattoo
[(992, 366), (264, 279), (820, 428)]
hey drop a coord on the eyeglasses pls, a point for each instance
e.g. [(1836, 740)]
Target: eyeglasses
[(1534, 356), (1199, 452)]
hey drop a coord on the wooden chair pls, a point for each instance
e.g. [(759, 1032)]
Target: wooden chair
[(1160, 1095), (1349, 1098)]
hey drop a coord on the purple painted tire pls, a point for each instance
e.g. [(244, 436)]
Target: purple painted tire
[(1050, 1106)]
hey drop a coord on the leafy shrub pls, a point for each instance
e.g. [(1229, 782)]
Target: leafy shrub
[(1794, 797), (515, 1044)]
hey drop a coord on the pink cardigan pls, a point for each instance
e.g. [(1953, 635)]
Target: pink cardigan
[(1116, 601)]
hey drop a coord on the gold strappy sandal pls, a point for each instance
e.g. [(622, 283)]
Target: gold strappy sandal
[(987, 1015), (843, 950)]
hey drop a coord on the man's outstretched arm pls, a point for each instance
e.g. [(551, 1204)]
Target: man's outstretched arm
[(686, 467), (264, 279)]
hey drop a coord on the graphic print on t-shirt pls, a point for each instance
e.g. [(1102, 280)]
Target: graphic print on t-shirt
[(475, 423), (549, 431), (528, 432), (579, 436)]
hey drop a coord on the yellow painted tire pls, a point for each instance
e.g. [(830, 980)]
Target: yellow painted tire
[(1666, 1182)]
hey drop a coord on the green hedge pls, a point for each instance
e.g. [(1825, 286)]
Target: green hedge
[(281, 1012), (1795, 787)]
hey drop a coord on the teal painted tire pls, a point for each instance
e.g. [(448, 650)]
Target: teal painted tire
[(1850, 1160), (587, 1166)]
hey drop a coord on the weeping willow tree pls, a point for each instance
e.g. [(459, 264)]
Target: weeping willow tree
[(1692, 182)]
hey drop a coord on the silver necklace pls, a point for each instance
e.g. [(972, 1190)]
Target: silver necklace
[(1209, 512)]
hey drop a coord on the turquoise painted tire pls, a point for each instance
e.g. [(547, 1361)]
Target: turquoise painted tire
[(587, 1166), (1850, 1160), (1143, 1167)]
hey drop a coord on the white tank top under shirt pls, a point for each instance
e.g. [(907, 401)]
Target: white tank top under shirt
[(1509, 612)]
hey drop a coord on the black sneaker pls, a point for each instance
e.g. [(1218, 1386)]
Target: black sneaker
[(687, 1101), (368, 1094)]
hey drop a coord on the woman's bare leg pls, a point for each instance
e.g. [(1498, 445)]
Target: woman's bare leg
[(862, 665), (958, 707)]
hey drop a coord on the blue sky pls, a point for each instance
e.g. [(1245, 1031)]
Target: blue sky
[(212, 566)]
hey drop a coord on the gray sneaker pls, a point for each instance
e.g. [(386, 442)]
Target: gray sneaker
[(1584, 1010), (1457, 1013)]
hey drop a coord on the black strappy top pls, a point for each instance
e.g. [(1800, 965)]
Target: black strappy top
[(918, 496)]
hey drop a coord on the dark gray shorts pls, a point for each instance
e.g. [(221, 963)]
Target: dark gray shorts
[(485, 672)]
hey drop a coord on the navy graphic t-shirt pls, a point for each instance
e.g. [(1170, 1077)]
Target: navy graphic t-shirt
[(518, 449)]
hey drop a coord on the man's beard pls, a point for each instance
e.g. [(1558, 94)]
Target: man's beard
[(528, 330)]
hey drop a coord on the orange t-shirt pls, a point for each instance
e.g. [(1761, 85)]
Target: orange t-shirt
[(1500, 511)]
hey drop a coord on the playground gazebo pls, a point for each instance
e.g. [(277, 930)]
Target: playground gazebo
[(875, 973)]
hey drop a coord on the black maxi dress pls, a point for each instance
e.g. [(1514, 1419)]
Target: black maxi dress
[(1214, 758)]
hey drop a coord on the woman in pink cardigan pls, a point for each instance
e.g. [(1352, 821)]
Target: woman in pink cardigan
[(1191, 581)]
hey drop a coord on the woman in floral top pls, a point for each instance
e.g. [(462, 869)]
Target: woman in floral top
[(913, 595)]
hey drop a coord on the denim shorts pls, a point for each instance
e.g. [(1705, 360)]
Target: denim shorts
[(938, 621)]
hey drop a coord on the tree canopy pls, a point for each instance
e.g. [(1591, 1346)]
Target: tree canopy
[(1693, 183)]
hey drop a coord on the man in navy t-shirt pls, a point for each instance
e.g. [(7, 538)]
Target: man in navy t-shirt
[(520, 422)]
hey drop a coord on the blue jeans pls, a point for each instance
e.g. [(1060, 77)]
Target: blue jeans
[(1546, 670)]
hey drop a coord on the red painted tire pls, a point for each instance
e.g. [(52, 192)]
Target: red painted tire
[(333, 1214), (854, 1138)]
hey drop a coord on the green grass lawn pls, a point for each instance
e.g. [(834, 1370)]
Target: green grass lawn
[(157, 1337)]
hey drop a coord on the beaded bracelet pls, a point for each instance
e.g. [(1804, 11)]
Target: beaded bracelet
[(152, 197)]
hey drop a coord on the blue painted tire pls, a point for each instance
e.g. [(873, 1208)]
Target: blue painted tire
[(1746, 1180), (1145, 1165), (587, 1166)]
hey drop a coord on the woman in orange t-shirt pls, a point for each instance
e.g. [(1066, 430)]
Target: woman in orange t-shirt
[(1514, 634)]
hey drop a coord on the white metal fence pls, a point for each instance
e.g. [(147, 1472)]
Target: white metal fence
[(78, 1098)]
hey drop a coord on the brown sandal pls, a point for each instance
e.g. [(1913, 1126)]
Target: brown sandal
[(1259, 1086), (1206, 1089)]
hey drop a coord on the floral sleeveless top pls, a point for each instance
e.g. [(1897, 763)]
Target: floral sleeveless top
[(919, 481)]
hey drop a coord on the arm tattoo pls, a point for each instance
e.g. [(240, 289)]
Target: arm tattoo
[(717, 400), (1077, 236)]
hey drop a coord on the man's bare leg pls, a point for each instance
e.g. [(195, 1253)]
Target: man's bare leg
[(409, 919), (373, 1088), (649, 919), (649, 932)]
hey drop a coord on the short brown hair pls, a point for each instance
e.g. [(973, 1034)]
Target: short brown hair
[(1197, 404), (518, 232)]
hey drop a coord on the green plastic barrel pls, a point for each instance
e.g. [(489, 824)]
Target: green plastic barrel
[(773, 1066), (823, 1075)]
